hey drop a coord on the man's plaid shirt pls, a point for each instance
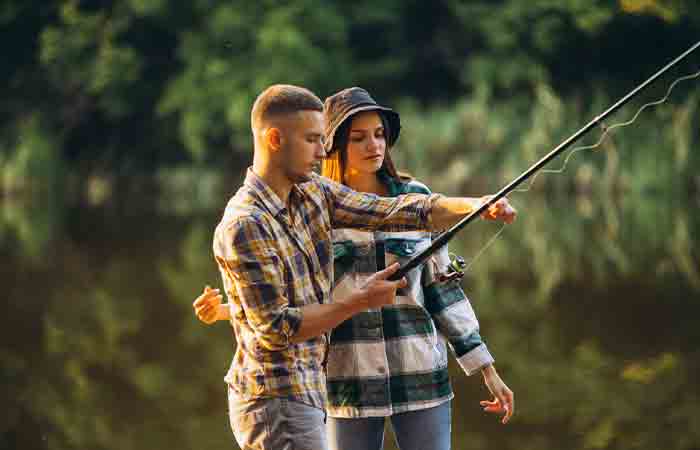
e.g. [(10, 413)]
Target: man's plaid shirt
[(276, 258)]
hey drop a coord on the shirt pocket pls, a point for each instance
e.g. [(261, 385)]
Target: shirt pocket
[(402, 250)]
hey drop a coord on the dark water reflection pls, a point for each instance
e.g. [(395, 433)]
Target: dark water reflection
[(589, 306)]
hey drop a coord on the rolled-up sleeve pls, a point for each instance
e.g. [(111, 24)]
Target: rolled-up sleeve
[(250, 265), (352, 209)]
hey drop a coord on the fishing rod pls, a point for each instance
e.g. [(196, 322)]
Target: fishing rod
[(441, 240)]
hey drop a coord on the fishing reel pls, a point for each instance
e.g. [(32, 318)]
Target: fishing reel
[(455, 269)]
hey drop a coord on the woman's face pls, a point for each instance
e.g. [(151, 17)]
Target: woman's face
[(366, 144)]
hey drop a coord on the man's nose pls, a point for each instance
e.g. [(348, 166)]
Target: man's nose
[(320, 151)]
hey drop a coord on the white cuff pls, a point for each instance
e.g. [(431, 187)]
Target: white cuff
[(475, 360)]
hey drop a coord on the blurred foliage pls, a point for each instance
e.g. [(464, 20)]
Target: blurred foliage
[(125, 87), (588, 301), (480, 144)]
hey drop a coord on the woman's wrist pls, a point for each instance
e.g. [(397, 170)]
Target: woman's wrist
[(223, 312), (488, 370)]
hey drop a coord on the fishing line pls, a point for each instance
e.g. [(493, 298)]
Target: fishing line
[(483, 249), (604, 134), (607, 130)]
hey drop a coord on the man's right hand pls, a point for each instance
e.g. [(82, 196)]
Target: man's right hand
[(208, 307), (375, 292), (378, 291)]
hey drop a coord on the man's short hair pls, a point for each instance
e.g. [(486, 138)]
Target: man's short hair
[(281, 99)]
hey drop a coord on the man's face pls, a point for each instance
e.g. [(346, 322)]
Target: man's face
[(302, 148)]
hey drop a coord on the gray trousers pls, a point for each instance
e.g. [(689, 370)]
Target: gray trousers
[(276, 424)]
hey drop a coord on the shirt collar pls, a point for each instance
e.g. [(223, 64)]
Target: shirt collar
[(269, 198)]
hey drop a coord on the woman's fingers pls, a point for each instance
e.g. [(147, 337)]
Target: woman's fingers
[(206, 305), (500, 210), (211, 295), (497, 406)]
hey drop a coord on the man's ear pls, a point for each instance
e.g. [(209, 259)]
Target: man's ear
[(273, 138)]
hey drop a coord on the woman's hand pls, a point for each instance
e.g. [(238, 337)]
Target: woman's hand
[(500, 210), (504, 401), (208, 307)]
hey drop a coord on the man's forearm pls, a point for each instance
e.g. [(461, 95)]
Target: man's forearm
[(318, 319), (449, 210)]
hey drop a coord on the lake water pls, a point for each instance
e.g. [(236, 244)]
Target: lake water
[(589, 304)]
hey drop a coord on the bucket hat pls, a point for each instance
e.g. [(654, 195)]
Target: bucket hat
[(341, 105)]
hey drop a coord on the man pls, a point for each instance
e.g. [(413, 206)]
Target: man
[(273, 248)]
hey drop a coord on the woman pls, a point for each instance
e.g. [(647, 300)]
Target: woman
[(392, 362)]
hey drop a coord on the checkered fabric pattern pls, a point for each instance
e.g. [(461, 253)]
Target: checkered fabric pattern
[(275, 258), (394, 359)]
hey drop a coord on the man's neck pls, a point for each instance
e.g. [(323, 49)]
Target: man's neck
[(274, 178)]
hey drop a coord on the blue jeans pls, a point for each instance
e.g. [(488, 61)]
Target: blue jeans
[(426, 429)]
